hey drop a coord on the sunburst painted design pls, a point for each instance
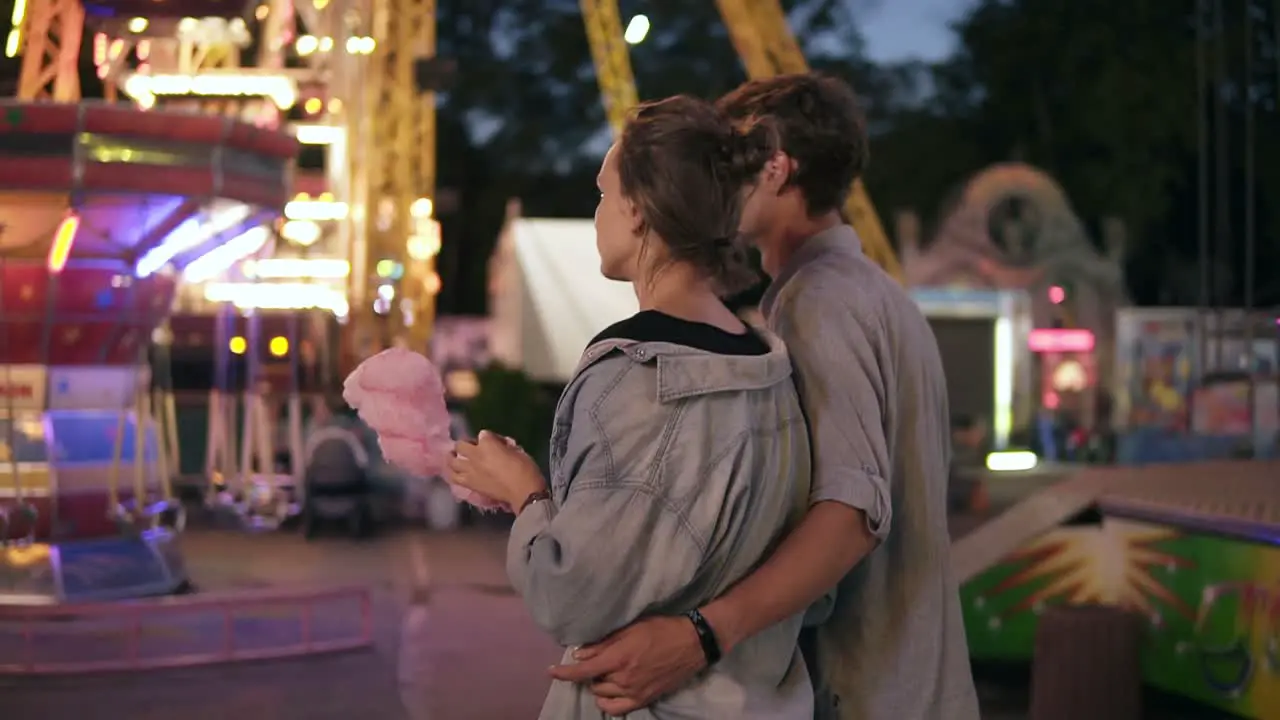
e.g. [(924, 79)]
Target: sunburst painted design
[(1113, 565)]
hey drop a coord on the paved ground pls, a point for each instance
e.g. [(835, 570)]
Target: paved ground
[(469, 654)]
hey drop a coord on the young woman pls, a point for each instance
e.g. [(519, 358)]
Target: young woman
[(679, 450)]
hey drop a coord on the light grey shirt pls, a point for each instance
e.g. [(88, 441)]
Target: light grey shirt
[(874, 393), (673, 474)]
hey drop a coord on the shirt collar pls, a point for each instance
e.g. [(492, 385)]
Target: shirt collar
[(835, 240)]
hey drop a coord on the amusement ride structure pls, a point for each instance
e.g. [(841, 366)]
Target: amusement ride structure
[(104, 207), (106, 210), (112, 210)]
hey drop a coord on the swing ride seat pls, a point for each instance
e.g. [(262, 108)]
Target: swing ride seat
[(144, 559), (261, 501)]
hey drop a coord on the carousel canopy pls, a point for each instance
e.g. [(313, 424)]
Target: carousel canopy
[(102, 206)]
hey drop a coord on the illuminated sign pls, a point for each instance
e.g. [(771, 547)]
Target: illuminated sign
[(22, 386), (92, 388), (17, 391), (1057, 340), (281, 89)]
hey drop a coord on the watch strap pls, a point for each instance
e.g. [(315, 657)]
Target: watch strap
[(706, 636), (533, 498)]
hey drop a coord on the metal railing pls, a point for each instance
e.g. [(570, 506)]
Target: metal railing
[(136, 616)]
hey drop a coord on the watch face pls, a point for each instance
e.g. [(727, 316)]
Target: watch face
[(1015, 224)]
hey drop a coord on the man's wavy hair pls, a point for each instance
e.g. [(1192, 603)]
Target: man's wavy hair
[(820, 125)]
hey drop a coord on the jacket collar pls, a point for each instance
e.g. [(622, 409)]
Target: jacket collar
[(689, 372)]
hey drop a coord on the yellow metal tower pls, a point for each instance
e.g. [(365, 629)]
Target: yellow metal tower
[(613, 64), (48, 33), (401, 163)]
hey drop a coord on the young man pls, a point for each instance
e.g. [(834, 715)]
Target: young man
[(873, 389)]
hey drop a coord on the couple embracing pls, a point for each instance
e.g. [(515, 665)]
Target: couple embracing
[(742, 522)]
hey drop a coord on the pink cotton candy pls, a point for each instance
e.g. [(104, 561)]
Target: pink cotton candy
[(399, 394)]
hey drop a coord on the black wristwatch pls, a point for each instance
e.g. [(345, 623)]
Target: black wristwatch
[(706, 637)]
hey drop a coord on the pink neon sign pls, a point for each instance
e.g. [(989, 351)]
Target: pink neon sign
[(1059, 340)]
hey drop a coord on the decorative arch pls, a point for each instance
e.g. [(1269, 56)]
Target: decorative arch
[(1030, 212)]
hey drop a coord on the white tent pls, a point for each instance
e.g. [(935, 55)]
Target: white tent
[(547, 296)]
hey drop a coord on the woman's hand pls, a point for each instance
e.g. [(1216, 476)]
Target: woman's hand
[(497, 467)]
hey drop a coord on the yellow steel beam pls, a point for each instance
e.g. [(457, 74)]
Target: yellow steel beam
[(51, 34), (401, 162), (613, 64)]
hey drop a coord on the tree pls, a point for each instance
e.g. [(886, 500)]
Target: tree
[(1102, 95)]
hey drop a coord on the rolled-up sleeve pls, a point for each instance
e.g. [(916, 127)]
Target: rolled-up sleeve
[(599, 561), (842, 389)]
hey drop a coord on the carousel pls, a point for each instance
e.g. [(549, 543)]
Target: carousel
[(102, 210)]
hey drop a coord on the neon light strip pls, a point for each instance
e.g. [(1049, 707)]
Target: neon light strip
[(191, 234), (1002, 424), (319, 268), (1060, 340), (281, 89), (318, 134), (63, 241), (216, 261), (1012, 461), (315, 210), (278, 296)]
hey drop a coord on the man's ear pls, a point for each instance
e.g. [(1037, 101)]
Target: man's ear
[(779, 171)]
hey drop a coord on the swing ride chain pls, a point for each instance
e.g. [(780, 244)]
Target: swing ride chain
[(161, 514)]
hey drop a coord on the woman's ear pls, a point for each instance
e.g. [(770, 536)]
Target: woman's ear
[(638, 228)]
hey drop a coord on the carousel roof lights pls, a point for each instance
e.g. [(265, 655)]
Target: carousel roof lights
[(192, 233), (316, 210), (63, 240), (278, 296), (315, 134), (214, 30), (295, 268), (281, 89), (218, 260), (301, 232)]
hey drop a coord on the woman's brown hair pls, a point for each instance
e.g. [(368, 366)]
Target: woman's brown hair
[(688, 168)]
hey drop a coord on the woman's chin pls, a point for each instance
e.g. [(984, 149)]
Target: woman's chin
[(610, 274)]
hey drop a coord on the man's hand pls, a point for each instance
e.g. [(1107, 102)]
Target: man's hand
[(638, 664)]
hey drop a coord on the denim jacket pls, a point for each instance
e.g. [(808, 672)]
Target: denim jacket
[(674, 471)]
